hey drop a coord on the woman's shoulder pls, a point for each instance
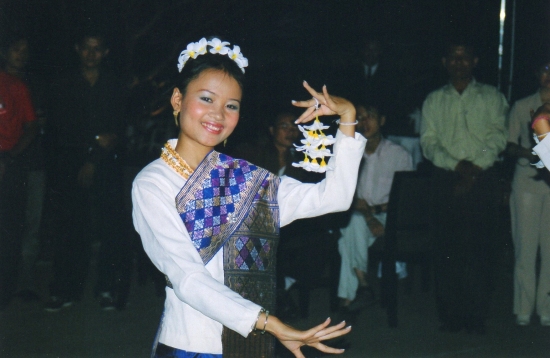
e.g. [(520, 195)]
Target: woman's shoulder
[(157, 173)]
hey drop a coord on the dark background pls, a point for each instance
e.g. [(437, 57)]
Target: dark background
[(287, 41)]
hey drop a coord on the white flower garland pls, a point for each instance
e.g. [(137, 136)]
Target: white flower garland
[(217, 46), (314, 147)]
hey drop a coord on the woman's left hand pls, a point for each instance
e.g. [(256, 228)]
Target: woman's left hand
[(294, 339), (326, 105)]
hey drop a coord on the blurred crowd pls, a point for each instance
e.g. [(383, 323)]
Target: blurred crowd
[(71, 146)]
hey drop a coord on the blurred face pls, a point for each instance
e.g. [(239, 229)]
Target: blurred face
[(372, 53), (18, 55), (460, 63), (209, 110), (544, 76), (285, 132), (369, 123), (91, 52)]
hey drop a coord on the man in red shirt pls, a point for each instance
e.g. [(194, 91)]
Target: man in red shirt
[(17, 129)]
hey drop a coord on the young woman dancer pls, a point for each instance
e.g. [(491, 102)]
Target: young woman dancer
[(210, 223)]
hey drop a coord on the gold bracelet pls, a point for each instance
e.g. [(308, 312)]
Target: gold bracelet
[(265, 323)]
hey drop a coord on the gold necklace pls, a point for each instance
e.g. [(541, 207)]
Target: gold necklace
[(173, 159)]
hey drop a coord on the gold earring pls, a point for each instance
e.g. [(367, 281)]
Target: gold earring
[(176, 117), (225, 142)]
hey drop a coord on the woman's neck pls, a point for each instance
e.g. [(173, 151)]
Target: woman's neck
[(192, 154)]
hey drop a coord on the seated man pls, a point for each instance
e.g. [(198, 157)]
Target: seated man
[(382, 158)]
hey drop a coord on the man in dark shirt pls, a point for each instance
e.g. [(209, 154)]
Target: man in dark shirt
[(86, 120)]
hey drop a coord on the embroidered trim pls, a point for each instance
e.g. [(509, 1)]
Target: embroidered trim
[(173, 159)]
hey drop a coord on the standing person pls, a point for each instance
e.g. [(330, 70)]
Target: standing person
[(463, 131), (33, 157), (18, 128), (530, 210), (85, 124), (210, 223), (381, 159)]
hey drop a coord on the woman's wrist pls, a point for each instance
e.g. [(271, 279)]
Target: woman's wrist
[(270, 323), (348, 116), (346, 122)]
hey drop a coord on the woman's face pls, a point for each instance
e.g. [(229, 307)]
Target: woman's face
[(209, 110)]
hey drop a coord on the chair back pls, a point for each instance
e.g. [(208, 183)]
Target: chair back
[(408, 220)]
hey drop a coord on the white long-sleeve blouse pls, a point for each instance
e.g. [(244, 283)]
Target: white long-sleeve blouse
[(199, 305)]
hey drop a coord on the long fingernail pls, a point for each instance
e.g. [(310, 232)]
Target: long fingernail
[(305, 82), (293, 101)]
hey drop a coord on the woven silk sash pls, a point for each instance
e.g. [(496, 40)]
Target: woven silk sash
[(231, 203)]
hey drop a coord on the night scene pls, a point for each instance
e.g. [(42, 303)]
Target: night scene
[(307, 178)]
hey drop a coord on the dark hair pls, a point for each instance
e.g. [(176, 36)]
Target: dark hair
[(373, 111), (91, 32), (463, 41), (373, 107), (194, 67), (274, 120)]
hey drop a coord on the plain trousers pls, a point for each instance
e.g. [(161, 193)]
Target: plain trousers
[(87, 215), (12, 216), (530, 231), (353, 248), (464, 244)]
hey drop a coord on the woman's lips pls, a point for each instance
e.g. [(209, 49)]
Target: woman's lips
[(213, 128)]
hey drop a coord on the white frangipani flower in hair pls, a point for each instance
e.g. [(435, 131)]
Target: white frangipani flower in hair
[(218, 46), (182, 60), (192, 51), (238, 57), (200, 47)]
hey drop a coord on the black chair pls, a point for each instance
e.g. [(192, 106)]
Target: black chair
[(407, 234)]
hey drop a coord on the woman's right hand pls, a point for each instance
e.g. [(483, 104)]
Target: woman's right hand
[(327, 105), (294, 339)]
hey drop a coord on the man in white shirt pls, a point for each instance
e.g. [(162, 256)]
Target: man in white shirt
[(381, 159)]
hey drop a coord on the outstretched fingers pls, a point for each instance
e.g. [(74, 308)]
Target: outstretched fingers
[(326, 349), (321, 104), (308, 114)]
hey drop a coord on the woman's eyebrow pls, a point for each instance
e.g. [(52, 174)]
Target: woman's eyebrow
[(215, 94)]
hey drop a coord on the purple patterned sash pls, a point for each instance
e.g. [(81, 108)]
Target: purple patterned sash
[(231, 203)]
